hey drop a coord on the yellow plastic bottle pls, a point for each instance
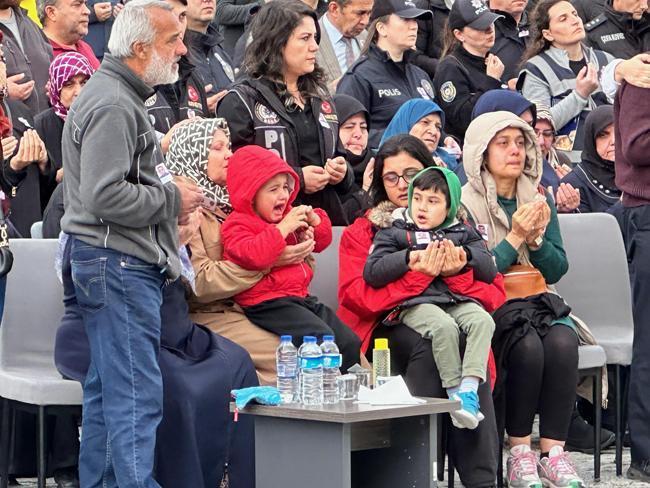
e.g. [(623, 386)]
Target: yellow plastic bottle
[(380, 360)]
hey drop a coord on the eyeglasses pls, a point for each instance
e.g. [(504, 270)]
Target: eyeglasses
[(392, 178), (546, 133)]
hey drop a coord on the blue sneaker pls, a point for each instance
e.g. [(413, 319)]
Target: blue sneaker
[(468, 416)]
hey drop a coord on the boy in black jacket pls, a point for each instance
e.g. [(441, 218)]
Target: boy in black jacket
[(463, 275)]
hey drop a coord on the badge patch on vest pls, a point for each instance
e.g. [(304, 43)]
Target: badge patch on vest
[(266, 115), (192, 94), (448, 91), (149, 102), (326, 108), (427, 88), (323, 121)]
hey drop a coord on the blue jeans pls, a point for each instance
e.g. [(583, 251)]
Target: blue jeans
[(120, 298)]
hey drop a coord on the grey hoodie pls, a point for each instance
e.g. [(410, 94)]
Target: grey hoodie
[(117, 192)]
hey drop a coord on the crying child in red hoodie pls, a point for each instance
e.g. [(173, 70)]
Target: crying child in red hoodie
[(255, 235)]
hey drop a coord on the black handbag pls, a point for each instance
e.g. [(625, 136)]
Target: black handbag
[(6, 256)]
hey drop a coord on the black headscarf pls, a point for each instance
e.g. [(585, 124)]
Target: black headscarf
[(598, 168), (346, 107)]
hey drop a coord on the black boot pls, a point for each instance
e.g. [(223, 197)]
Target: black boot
[(639, 471), (581, 436)]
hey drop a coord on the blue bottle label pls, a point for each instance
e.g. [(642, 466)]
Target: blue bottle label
[(332, 361), (311, 363)]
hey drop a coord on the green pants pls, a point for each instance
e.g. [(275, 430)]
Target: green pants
[(443, 326)]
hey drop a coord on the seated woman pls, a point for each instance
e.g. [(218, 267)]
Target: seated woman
[(562, 73), (282, 103), (594, 176), (200, 150), (385, 76), (197, 442), (537, 356), (425, 120), (363, 307), (566, 197), (354, 123)]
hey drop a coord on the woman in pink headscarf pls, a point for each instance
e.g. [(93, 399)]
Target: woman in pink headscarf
[(68, 74)]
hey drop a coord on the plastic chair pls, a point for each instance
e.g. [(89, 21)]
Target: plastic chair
[(28, 378), (36, 230), (597, 287), (326, 277)]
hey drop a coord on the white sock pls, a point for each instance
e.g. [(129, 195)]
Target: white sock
[(452, 391), (469, 383)]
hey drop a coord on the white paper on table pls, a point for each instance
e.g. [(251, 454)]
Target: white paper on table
[(393, 392)]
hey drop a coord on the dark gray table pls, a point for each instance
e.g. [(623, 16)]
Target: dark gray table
[(346, 445)]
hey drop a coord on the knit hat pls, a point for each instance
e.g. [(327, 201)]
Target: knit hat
[(453, 183)]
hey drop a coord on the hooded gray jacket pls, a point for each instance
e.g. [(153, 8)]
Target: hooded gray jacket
[(117, 191)]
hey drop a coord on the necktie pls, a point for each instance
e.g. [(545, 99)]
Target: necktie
[(349, 52)]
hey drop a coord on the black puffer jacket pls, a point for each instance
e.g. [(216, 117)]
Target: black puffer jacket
[(430, 35), (389, 258)]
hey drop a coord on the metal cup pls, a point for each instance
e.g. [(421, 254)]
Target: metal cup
[(348, 386)]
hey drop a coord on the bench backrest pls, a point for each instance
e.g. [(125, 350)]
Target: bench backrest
[(326, 277)]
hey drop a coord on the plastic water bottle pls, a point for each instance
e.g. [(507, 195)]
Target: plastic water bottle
[(286, 361), (311, 372), (331, 365), (380, 360)]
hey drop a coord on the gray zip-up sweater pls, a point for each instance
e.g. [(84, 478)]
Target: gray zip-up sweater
[(117, 192)]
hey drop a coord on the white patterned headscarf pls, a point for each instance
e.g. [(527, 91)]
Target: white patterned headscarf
[(188, 156)]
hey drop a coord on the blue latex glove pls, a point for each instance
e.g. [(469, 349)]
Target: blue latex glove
[(264, 395)]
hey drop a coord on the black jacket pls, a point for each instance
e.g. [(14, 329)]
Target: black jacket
[(231, 17), (33, 59), (183, 100), (618, 33), (430, 35), (511, 41), (210, 58), (382, 86), (588, 9), (389, 258), (256, 115), (460, 81)]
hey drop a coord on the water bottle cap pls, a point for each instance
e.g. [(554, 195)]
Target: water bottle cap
[(381, 344), (308, 339), (285, 338), (327, 338)]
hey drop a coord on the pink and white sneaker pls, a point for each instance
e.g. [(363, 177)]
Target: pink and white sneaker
[(558, 471), (521, 468)]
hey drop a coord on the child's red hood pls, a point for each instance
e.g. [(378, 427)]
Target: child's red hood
[(249, 168)]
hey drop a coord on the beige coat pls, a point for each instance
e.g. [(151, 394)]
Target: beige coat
[(217, 281)]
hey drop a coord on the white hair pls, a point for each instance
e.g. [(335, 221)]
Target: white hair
[(132, 25)]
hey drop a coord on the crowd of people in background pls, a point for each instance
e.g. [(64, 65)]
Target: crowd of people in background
[(191, 155)]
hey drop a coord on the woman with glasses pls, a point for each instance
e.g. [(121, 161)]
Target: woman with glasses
[(363, 308)]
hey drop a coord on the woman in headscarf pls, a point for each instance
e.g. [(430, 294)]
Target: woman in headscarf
[(594, 176), (354, 127), (199, 151), (69, 72), (425, 120)]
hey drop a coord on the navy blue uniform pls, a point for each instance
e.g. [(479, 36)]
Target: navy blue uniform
[(618, 33), (382, 86)]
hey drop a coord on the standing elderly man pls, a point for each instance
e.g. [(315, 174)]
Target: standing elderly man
[(65, 23), (122, 207)]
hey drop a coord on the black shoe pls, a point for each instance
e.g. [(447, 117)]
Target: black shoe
[(581, 436), (12, 481), (66, 478), (639, 471)]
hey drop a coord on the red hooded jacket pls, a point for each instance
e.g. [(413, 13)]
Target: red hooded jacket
[(361, 306), (255, 244)]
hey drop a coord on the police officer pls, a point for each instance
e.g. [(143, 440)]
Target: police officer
[(281, 104), (622, 29), (466, 70), (430, 33), (384, 77), (512, 35)]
